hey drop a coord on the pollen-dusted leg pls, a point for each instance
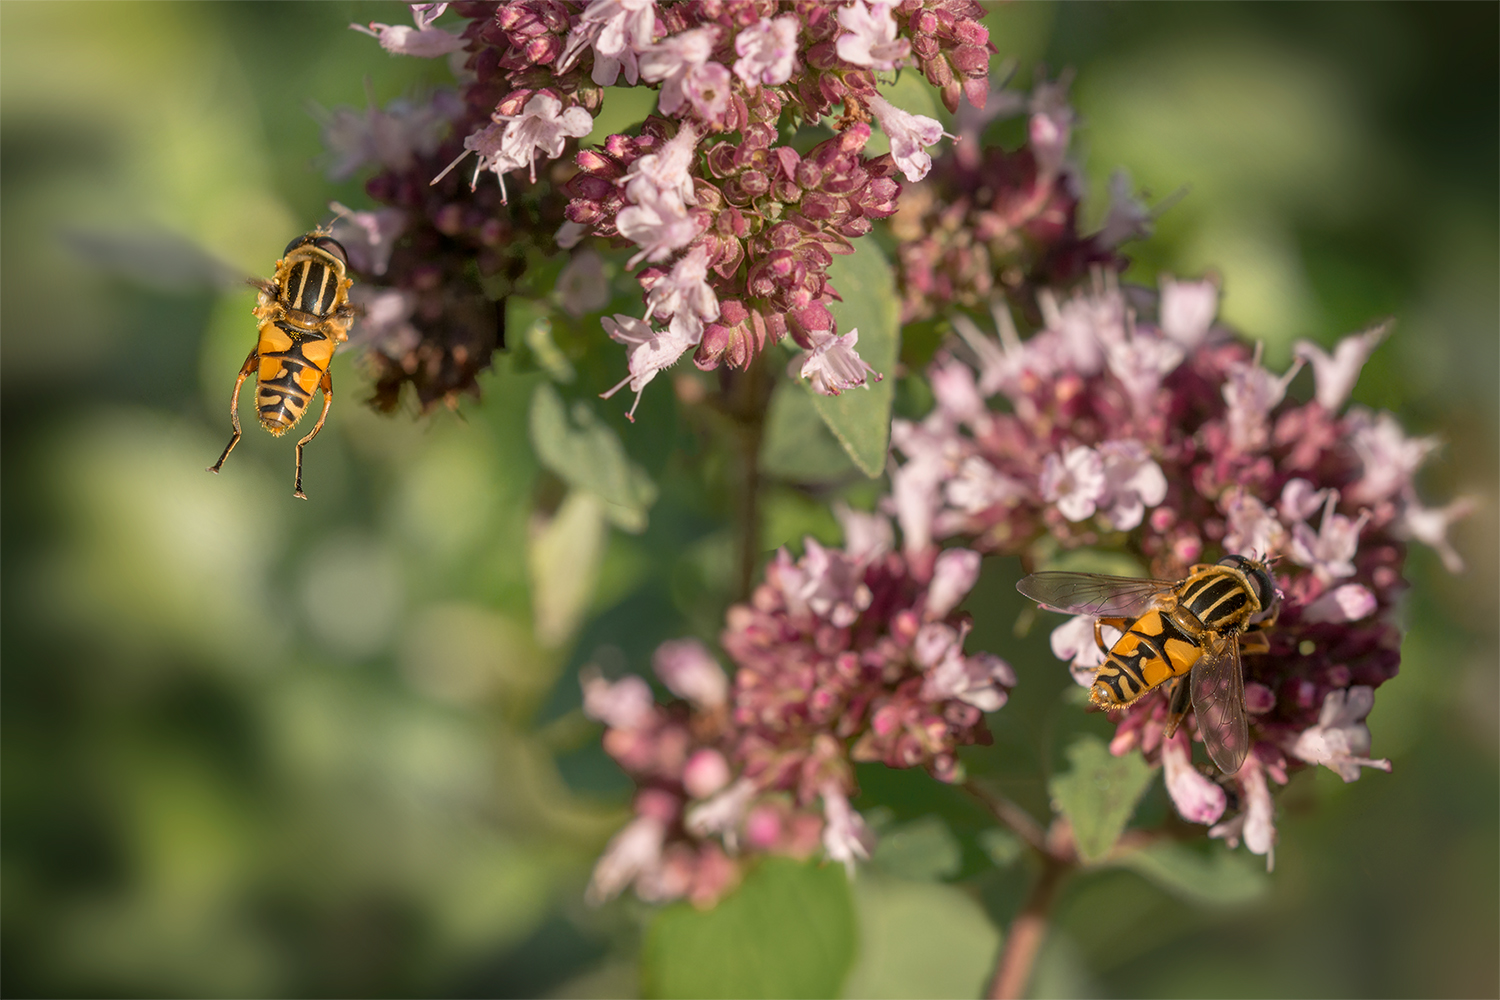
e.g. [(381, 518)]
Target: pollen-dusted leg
[(234, 409), (327, 386)]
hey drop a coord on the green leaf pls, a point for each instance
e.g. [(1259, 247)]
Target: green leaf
[(861, 418), (1219, 877), (1098, 795), (563, 558), (923, 850), (797, 445), (787, 931), (920, 939), (590, 457)]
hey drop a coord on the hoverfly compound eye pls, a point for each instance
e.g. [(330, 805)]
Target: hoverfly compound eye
[(294, 245), (332, 246)]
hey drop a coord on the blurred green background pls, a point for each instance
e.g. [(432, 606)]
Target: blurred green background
[(258, 746)]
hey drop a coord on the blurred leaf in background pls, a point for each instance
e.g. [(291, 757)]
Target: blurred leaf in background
[(252, 746)]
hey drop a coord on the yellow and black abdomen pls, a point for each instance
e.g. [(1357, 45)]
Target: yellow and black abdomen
[(291, 365), (1151, 652)]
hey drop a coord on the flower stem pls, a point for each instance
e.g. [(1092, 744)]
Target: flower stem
[(746, 395), (1027, 932)]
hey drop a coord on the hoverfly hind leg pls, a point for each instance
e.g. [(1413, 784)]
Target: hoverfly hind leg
[(327, 386), (1118, 624), (234, 411)]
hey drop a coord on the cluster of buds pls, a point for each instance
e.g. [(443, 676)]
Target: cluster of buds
[(988, 221), (844, 655), (1137, 424), (737, 227)]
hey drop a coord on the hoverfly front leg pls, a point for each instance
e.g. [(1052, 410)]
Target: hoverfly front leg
[(1255, 642), (327, 386), (234, 408)]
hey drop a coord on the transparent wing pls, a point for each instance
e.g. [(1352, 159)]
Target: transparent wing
[(1095, 594), (1218, 685)]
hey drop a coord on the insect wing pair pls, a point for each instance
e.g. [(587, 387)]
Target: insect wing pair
[(1170, 628)]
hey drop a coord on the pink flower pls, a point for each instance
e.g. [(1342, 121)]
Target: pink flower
[(916, 485), (1256, 825), (685, 291), (583, 287), (869, 37), (1140, 360), (392, 138), (1330, 552), (1251, 528), (630, 853), (368, 237), (1075, 482), (1334, 375), (956, 394), (1127, 217), (977, 486), (1252, 392), (1341, 739), (1300, 500), (705, 773), (1073, 642), (910, 135), (1187, 310), (1390, 458), (648, 351), (833, 584), (867, 537), (1133, 482), (767, 51), (1051, 125), (1348, 603), (680, 64), (846, 838), (833, 365), (665, 176), (1429, 525), (690, 672), (386, 324), (982, 680), (1198, 800), (658, 227), (423, 40), (618, 31), (723, 814), (623, 704), (953, 576), (512, 141)]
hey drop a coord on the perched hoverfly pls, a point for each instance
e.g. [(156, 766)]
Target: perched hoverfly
[(304, 314), (1192, 627)]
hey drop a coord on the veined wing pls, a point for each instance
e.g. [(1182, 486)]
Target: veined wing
[(1218, 685), (1095, 594)]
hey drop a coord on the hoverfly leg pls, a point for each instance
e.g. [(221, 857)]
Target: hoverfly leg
[(234, 410), (1255, 642), (327, 386), (1177, 703), (1118, 624)]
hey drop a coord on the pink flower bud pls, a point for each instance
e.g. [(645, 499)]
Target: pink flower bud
[(706, 772)]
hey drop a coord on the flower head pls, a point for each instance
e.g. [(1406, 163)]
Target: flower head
[(833, 365), (869, 37), (767, 51)]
